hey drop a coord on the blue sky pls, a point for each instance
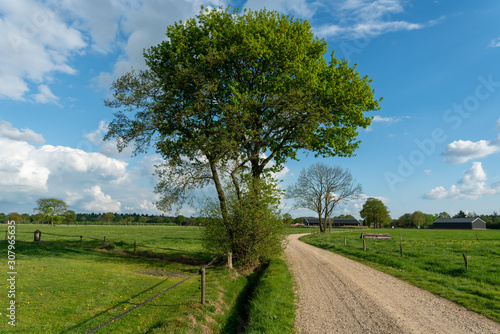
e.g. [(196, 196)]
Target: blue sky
[(434, 146)]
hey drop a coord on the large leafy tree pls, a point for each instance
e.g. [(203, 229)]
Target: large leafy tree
[(227, 94), (51, 208), (375, 213)]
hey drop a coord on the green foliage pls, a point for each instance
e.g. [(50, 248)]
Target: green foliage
[(417, 219), (180, 219), (433, 261), (256, 231), (14, 216), (227, 93), (460, 214), (442, 215), (69, 217), (375, 213), (108, 217), (287, 219), (52, 208)]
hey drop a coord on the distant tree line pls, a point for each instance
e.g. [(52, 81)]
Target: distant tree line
[(105, 218)]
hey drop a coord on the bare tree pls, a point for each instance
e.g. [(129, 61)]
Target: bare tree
[(322, 188)]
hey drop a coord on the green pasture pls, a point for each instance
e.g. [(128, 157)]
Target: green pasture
[(64, 288), (432, 260)]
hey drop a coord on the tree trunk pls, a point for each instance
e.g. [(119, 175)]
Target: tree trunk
[(220, 194)]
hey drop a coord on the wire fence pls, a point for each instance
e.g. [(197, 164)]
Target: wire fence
[(201, 272), (37, 238), (135, 244)]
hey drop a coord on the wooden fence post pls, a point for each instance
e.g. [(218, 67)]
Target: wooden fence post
[(202, 272), (345, 241), (364, 245), (135, 246), (104, 243), (401, 250), (466, 264), (229, 260), (81, 240)]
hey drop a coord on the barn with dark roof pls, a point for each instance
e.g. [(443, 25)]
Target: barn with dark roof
[(335, 222), (460, 224)]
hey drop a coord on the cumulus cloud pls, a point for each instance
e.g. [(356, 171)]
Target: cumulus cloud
[(27, 135), (108, 147), (461, 151), (35, 44), (99, 201), (472, 186), (45, 95), (368, 18), (24, 167), (28, 172)]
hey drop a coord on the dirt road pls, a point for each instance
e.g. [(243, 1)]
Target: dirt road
[(338, 295)]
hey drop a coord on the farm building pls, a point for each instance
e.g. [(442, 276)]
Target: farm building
[(335, 222), (460, 224)]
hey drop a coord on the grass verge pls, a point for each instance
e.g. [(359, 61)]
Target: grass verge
[(432, 260), (272, 308)]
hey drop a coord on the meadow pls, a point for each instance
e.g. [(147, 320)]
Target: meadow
[(63, 286), (432, 260)]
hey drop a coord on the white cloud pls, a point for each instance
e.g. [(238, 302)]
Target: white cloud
[(368, 19), (472, 186), (388, 120), (108, 147), (27, 135), (99, 201), (299, 7), (475, 174), (461, 151), (45, 95), (144, 24), (35, 44), (28, 172), (497, 125), (495, 43)]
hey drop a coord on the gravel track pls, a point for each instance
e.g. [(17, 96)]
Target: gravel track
[(338, 295)]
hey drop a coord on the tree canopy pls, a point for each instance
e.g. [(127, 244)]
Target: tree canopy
[(229, 93), (375, 213), (51, 208)]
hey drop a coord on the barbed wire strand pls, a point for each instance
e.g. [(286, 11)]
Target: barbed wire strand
[(147, 301)]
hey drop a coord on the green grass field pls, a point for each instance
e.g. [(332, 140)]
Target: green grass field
[(64, 288), (432, 260)]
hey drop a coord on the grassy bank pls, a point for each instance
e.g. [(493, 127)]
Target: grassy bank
[(272, 308), (432, 260)]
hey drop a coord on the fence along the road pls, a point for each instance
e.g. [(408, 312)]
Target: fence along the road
[(201, 272)]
